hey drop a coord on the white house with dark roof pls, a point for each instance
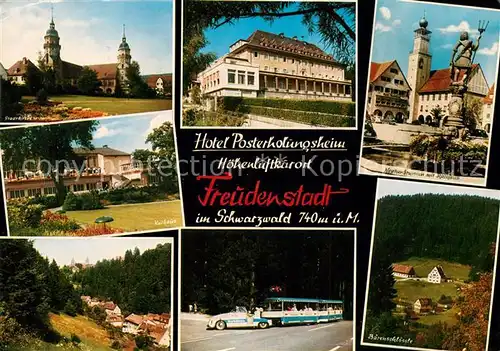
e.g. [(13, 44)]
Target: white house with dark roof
[(436, 275), (273, 65)]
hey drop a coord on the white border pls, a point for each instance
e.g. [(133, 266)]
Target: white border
[(11, 124), (98, 119), (277, 229), (356, 75), (362, 342), (168, 240), (427, 179)]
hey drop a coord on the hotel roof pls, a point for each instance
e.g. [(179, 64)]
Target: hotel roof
[(292, 45), (105, 151)]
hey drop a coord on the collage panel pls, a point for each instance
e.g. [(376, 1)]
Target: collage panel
[(267, 289), (432, 267), (99, 293), (268, 64), (112, 175), (72, 60), (431, 92)]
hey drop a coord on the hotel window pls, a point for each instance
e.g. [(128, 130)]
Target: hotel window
[(446, 96), (49, 191), (251, 78), (266, 68), (428, 97), (241, 77), (421, 108), (231, 76), (255, 54), (275, 70), (433, 97), (91, 186), (16, 194), (284, 70), (439, 97), (78, 187), (284, 59), (293, 60), (34, 192), (395, 71)]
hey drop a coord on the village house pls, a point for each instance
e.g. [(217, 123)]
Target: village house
[(276, 66), (131, 324), (111, 308), (488, 110), (436, 275), (115, 320), (103, 168), (423, 306), (403, 271), (388, 92), (161, 83)]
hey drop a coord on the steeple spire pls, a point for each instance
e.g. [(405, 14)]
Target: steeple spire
[(124, 32), (52, 13)]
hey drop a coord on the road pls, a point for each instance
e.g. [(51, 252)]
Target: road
[(336, 336)]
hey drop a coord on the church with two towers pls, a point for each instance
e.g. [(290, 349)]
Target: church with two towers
[(111, 75)]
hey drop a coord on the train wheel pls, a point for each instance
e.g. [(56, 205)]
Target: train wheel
[(262, 325), (220, 325)]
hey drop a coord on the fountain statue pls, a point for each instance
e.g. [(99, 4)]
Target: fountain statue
[(461, 63)]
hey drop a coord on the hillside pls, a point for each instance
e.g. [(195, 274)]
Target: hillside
[(90, 333), (423, 266), (454, 228)]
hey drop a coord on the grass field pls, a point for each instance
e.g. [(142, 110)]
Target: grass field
[(135, 217), (411, 290), (448, 317), (452, 270), (112, 105), (88, 331)]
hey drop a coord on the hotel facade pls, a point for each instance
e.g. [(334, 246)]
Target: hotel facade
[(275, 66), (103, 168)]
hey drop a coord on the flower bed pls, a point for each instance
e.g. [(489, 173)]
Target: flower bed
[(55, 111)]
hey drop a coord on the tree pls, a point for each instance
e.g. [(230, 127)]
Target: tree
[(473, 108), (88, 83), (137, 87), (164, 159), (52, 145), (472, 328), (381, 291), (33, 79), (334, 22), (437, 114), (144, 156), (10, 99), (48, 75)]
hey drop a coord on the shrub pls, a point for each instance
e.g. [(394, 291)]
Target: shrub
[(70, 310), (116, 345), (75, 339), (331, 107), (87, 201), (193, 117), (46, 201), (71, 202), (311, 118), (133, 195), (23, 214), (53, 222)]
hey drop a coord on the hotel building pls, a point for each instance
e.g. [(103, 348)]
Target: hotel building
[(102, 168), (270, 65)]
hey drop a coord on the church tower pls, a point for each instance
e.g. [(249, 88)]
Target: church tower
[(419, 65), (52, 49), (124, 60)]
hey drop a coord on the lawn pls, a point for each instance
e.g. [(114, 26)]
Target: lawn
[(424, 265), (112, 105), (411, 290), (135, 217), (91, 334)]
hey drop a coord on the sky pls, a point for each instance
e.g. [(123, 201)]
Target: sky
[(221, 38), (90, 32), (63, 250), (397, 19), (129, 133), (388, 187)]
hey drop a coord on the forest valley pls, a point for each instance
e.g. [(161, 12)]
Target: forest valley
[(224, 269), (38, 298), (458, 230)]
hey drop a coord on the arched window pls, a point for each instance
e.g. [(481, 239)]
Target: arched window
[(421, 63)]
